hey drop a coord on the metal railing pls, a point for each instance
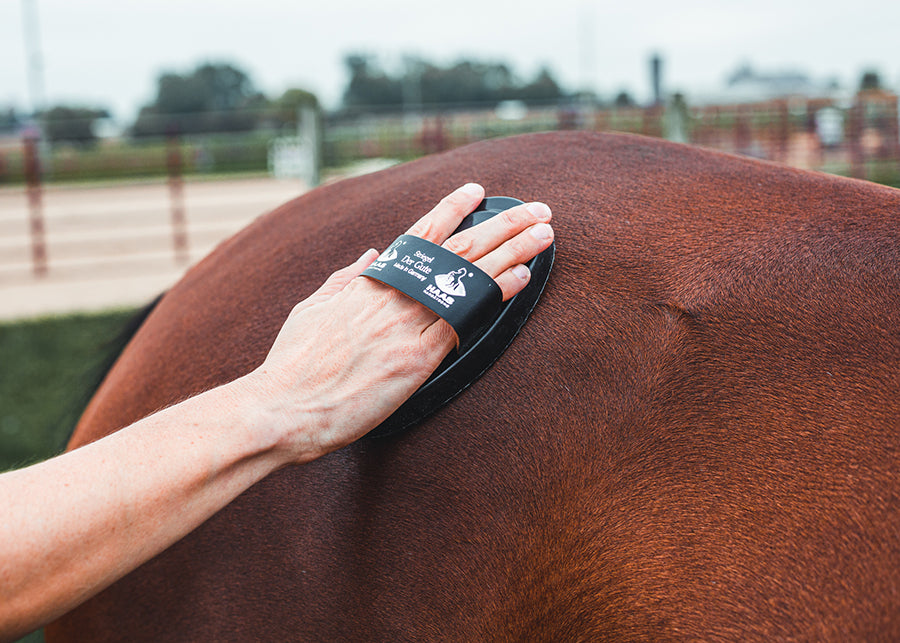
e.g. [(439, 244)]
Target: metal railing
[(857, 137)]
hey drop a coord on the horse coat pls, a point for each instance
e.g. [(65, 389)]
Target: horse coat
[(695, 436)]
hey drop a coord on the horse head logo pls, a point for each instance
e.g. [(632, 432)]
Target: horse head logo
[(391, 252), (451, 283)]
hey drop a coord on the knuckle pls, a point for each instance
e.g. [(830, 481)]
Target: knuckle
[(337, 275), (511, 218), (459, 244), (455, 199), (375, 294), (423, 228), (446, 336), (363, 283), (517, 247), (385, 297), (405, 360)]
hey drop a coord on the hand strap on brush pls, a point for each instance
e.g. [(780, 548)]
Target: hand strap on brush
[(457, 291)]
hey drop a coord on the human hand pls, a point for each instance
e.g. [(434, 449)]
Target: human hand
[(356, 349), (344, 360)]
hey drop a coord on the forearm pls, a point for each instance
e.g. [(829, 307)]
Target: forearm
[(346, 357), (75, 524)]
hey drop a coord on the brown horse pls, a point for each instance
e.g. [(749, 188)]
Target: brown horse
[(695, 436)]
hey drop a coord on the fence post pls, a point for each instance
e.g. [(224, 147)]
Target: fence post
[(783, 130), (854, 140), (651, 120), (675, 119), (34, 191), (743, 135), (892, 130), (310, 132), (176, 196)]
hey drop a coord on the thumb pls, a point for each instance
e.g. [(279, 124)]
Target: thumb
[(338, 280)]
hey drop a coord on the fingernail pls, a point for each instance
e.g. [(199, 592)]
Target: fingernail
[(541, 231), (472, 189), (366, 254), (538, 209), (521, 272)]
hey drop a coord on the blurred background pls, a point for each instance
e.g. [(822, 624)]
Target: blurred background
[(136, 136)]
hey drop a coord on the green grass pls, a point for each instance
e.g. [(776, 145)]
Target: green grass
[(49, 367), (117, 160)]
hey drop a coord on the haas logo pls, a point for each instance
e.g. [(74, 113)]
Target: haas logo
[(451, 283)]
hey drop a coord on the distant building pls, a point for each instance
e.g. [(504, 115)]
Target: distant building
[(747, 85)]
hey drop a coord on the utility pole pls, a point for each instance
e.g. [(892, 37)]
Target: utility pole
[(587, 60), (586, 49), (656, 78), (34, 61), (33, 139)]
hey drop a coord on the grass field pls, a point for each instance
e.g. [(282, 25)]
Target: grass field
[(50, 367)]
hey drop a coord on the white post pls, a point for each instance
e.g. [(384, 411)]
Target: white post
[(311, 136)]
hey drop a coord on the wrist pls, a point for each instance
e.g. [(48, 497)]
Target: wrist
[(282, 431), (255, 426)]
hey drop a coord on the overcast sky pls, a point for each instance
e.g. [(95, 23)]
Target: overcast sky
[(109, 52)]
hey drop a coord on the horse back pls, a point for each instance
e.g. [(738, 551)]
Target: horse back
[(694, 436)]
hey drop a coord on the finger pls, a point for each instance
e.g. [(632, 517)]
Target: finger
[(446, 216), (338, 280), (441, 335), (520, 249), (474, 243), (512, 281)]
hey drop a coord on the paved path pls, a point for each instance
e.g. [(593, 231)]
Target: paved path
[(111, 246)]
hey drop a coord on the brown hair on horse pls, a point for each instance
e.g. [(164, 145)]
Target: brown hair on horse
[(695, 436)]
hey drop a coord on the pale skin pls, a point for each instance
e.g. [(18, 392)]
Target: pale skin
[(344, 360)]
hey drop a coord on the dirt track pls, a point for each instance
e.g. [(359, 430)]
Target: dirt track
[(113, 246)]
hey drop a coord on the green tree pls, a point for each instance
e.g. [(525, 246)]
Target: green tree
[(467, 81), (72, 124), (543, 88), (870, 80), (214, 97), (369, 85), (624, 99), (9, 120), (423, 83)]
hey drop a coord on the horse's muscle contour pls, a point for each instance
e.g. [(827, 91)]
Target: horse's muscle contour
[(694, 437)]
